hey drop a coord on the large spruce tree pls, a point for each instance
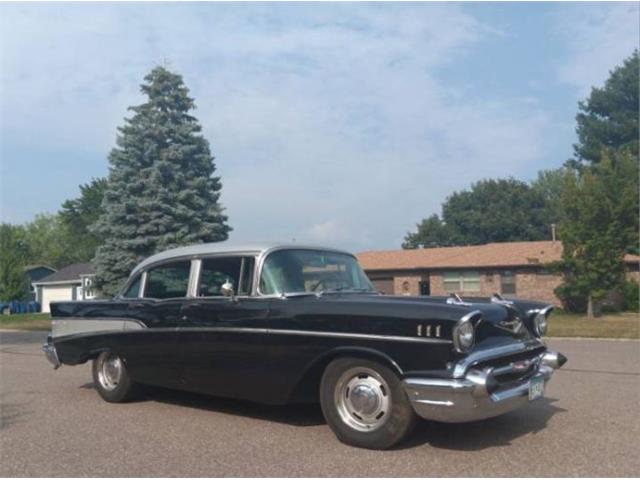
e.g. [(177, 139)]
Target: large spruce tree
[(161, 191)]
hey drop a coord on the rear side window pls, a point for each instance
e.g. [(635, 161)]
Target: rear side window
[(216, 271), (134, 288), (169, 280)]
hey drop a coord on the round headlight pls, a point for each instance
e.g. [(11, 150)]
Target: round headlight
[(464, 335), (540, 324)]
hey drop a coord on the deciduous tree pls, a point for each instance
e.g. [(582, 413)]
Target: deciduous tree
[(13, 281), (77, 215), (503, 210), (601, 216), (608, 119)]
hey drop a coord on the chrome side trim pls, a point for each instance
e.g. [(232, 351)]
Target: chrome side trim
[(78, 326), (74, 325), (216, 329), (362, 336), (315, 333)]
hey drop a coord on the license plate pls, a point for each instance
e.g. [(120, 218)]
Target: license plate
[(536, 388)]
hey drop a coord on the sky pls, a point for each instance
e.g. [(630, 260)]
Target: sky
[(341, 124)]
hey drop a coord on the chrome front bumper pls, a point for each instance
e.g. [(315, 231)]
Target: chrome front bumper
[(50, 352), (477, 395)]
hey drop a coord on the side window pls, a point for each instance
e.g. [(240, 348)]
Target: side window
[(215, 272), (134, 288), (170, 280)]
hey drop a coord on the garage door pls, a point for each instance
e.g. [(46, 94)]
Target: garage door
[(55, 293)]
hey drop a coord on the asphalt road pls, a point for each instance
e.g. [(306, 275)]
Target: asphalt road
[(54, 424)]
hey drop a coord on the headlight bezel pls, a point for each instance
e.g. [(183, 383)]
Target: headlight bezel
[(541, 321), (465, 326)]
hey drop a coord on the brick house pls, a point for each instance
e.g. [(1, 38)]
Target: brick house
[(510, 268)]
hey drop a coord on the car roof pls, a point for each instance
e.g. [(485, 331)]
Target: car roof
[(202, 249)]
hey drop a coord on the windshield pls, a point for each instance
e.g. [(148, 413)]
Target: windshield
[(300, 271)]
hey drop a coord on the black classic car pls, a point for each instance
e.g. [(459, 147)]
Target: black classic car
[(283, 324)]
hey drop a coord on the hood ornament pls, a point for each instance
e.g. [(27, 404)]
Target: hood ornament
[(454, 299)]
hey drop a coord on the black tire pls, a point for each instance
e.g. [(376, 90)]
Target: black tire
[(395, 424), (124, 390)]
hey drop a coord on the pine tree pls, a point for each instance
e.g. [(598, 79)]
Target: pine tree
[(161, 191)]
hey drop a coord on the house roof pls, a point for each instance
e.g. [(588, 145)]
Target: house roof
[(507, 254), (69, 274), (28, 268)]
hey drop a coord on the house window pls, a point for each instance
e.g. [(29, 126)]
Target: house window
[(508, 283), (463, 281), (87, 288)]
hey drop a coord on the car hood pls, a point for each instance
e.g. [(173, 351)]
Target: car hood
[(497, 319)]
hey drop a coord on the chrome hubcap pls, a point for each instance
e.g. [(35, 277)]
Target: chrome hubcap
[(363, 399), (109, 370)]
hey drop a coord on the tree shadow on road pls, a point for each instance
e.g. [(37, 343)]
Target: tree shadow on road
[(11, 412), (492, 432)]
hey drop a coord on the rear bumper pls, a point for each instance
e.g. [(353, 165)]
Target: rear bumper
[(50, 353), (477, 395)]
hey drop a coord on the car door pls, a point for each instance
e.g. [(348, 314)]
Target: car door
[(152, 351), (222, 339)]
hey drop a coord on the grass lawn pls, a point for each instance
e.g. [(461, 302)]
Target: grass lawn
[(614, 325), (611, 325), (26, 321)]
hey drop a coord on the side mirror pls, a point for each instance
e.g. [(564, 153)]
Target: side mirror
[(227, 289)]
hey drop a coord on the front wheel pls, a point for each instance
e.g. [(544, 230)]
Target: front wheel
[(111, 378), (364, 403)]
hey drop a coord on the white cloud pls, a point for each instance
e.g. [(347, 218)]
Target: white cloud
[(328, 122), (599, 39)]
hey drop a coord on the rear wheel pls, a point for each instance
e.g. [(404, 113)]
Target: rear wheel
[(364, 403), (111, 379)]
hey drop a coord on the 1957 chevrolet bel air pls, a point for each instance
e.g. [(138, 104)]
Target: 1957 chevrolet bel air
[(288, 323)]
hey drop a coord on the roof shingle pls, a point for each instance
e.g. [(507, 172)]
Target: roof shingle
[(507, 254), (69, 273)]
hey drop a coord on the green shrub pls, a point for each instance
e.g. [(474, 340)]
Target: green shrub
[(631, 293)]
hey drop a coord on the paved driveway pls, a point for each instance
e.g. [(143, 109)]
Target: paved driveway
[(54, 424)]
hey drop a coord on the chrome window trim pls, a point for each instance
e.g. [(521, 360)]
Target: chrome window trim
[(143, 284), (194, 278)]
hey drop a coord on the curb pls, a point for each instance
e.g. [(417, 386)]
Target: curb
[(595, 338)]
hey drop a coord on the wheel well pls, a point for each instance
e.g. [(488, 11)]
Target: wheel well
[(308, 387)]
